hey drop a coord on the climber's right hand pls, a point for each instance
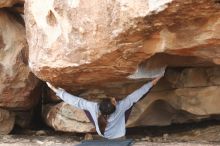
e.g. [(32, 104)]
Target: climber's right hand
[(52, 87), (154, 82)]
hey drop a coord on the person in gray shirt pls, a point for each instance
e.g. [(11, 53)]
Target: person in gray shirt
[(108, 116)]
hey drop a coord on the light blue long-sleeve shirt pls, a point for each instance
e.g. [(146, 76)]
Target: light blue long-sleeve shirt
[(116, 122)]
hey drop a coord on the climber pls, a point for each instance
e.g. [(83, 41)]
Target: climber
[(108, 116)]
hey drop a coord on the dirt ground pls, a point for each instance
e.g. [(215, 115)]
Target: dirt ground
[(197, 134)]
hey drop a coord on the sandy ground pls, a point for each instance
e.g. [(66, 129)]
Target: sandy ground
[(61, 141)]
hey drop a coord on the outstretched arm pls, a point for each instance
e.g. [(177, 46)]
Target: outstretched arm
[(71, 99), (132, 98)]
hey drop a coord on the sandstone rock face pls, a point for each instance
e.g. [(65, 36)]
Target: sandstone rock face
[(80, 43), (10, 3), (19, 88), (15, 6), (110, 48), (17, 84), (7, 120), (183, 95), (64, 117)]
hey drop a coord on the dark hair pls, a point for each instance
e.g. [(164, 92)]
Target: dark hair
[(106, 108)]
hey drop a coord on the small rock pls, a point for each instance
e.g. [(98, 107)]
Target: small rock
[(88, 136), (165, 136), (41, 132)]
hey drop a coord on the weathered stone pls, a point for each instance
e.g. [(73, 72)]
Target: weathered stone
[(189, 77), (18, 86), (10, 3), (176, 106), (14, 6), (86, 44), (63, 117), (183, 95), (7, 120)]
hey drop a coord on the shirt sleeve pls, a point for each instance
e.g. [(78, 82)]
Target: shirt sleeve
[(132, 98), (74, 100)]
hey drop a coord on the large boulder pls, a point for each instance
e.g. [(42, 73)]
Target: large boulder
[(82, 44), (63, 117), (18, 86), (7, 120)]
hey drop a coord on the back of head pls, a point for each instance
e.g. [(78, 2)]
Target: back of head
[(106, 107)]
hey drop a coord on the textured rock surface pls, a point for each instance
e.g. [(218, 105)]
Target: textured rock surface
[(17, 84), (64, 117), (15, 6), (80, 43), (7, 120), (10, 3), (183, 95)]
